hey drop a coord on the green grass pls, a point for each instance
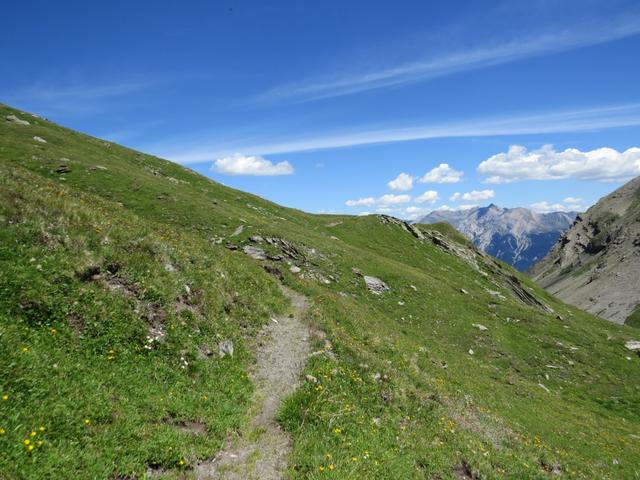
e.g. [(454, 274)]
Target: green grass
[(385, 407), (633, 320)]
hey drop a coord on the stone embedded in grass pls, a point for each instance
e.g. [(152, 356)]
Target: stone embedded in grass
[(295, 269), (479, 326), (633, 345), (255, 252), (496, 294), (16, 120), (256, 239), (462, 290), (39, 139), (375, 285), (61, 169), (225, 348)]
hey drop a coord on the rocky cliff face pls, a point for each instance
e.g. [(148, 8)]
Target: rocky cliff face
[(517, 236), (596, 264)]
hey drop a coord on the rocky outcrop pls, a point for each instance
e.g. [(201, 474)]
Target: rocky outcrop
[(595, 264)]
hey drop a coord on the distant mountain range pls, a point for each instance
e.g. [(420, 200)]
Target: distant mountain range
[(596, 264), (517, 236)]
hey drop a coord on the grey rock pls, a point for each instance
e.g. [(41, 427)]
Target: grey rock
[(633, 345), (16, 120), (255, 252), (479, 326), (496, 294), (225, 348), (295, 269), (375, 285), (256, 239), (39, 139)]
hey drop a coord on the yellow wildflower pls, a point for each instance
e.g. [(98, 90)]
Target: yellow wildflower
[(41, 428), (26, 441), (331, 466), (87, 421), (5, 397), (32, 434), (2, 431), (30, 447)]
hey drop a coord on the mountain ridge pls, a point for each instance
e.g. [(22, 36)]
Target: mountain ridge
[(518, 236), (595, 264)]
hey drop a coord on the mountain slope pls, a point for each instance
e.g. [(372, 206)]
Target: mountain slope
[(122, 276), (595, 264), (517, 236)]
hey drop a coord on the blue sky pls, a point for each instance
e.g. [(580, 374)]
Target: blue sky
[(321, 105)]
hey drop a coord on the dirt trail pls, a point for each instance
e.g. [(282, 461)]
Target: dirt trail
[(261, 449)]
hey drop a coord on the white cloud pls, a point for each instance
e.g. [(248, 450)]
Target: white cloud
[(546, 207), (402, 183), (414, 213), (546, 163), (383, 202), (361, 202), (430, 196), (443, 173), (239, 164), (572, 200), (390, 199), (473, 196), (447, 208)]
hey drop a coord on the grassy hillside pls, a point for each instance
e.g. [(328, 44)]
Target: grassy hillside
[(117, 286)]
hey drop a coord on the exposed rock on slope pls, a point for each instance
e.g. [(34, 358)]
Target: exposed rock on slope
[(595, 264), (517, 236)]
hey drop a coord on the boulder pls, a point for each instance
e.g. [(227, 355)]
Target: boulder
[(16, 120), (633, 345), (375, 285), (39, 139), (255, 252)]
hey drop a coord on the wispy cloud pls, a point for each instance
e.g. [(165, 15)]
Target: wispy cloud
[(525, 124), (423, 69)]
